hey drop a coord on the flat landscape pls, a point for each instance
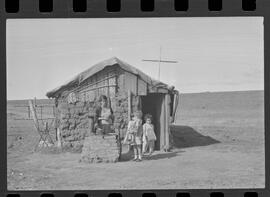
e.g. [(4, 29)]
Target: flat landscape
[(219, 144)]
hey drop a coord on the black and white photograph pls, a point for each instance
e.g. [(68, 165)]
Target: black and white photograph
[(135, 103)]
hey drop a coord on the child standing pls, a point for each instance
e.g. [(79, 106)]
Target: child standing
[(138, 132), (149, 136), (131, 129)]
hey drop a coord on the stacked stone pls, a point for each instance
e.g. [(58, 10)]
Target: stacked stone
[(74, 124), (74, 120), (120, 113), (99, 148)]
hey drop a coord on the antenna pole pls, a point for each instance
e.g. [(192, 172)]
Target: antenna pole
[(159, 63)]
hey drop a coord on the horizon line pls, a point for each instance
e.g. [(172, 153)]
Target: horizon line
[(179, 93)]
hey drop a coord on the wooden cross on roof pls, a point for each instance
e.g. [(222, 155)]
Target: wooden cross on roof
[(159, 62)]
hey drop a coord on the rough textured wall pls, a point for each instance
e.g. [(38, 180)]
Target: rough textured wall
[(74, 124), (120, 111), (74, 119), (97, 149)]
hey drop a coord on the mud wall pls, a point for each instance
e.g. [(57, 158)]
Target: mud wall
[(74, 123), (120, 110), (74, 119)]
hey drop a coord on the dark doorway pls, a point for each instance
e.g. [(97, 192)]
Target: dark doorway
[(152, 104)]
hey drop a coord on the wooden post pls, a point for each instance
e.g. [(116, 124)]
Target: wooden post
[(34, 114), (175, 107), (162, 124), (138, 103), (167, 122), (59, 141), (35, 101), (129, 104)]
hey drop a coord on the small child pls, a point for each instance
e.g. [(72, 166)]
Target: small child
[(138, 132), (131, 129), (149, 136)]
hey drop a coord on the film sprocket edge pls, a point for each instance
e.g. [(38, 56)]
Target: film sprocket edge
[(163, 98)]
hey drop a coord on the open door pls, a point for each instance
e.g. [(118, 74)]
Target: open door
[(152, 104), (174, 106)]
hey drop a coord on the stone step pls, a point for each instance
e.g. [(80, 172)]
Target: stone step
[(100, 149)]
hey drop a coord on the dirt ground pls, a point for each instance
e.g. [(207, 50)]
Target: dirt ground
[(234, 119)]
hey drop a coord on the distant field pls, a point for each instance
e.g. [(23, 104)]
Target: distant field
[(18, 109), (222, 107), (226, 116), (233, 121)]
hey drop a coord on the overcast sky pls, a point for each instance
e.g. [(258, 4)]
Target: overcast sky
[(213, 54)]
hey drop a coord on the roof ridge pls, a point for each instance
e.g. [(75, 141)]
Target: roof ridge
[(82, 76)]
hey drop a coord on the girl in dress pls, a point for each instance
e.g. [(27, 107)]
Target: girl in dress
[(137, 134), (131, 129), (149, 136)]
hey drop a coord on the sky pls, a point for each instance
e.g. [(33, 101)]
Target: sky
[(212, 54)]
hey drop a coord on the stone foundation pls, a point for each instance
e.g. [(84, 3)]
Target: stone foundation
[(98, 148)]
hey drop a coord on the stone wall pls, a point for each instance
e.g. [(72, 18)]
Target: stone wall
[(74, 124), (74, 119), (120, 111), (99, 148)]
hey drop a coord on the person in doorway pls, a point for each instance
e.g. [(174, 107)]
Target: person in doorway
[(149, 136), (138, 131)]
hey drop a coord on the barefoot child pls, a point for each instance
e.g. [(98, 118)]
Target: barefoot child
[(149, 136), (138, 131)]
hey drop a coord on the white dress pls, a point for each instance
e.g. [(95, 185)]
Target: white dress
[(149, 132)]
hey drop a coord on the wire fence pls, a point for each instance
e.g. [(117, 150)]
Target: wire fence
[(22, 112)]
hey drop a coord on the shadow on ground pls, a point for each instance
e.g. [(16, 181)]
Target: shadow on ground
[(164, 155), (181, 136), (185, 136), (128, 156)]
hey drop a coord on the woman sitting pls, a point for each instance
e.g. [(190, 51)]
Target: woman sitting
[(104, 116)]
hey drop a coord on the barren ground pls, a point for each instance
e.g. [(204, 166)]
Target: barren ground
[(235, 119)]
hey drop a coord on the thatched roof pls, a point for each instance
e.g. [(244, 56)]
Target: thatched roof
[(77, 80)]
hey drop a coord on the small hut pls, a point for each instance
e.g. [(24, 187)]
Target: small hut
[(128, 90)]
